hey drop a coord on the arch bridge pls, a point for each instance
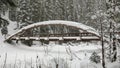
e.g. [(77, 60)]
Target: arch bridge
[(56, 30)]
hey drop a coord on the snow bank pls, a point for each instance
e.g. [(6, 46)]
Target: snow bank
[(22, 52)]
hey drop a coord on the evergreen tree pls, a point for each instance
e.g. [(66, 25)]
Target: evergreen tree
[(34, 10), (95, 57), (112, 6), (28, 12), (24, 16), (5, 4)]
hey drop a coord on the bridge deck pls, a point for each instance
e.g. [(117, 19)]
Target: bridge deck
[(56, 38)]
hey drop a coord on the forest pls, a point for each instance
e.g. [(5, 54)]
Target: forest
[(84, 11), (102, 15)]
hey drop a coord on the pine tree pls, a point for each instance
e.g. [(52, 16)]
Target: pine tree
[(111, 6), (95, 57), (24, 16), (34, 10), (5, 4)]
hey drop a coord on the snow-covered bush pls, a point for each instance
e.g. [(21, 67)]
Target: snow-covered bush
[(95, 57), (4, 30)]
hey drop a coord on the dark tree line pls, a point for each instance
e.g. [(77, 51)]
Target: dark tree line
[(31, 11), (7, 3)]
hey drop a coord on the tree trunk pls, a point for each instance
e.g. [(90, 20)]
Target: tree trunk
[(114, 57), (112, 28), (102, 43)]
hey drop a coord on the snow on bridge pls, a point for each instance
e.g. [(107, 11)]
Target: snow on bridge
[(56, 30)]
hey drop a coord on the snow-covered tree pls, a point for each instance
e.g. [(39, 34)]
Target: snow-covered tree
[(28, 12), (34, 10), (95, 57), (4, 4), (24, 17), (113, 11)]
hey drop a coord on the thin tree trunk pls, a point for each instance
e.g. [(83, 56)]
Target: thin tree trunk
[(110, 42), (102, 43)]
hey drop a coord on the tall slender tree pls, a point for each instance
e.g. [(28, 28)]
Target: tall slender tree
[(112, 6)]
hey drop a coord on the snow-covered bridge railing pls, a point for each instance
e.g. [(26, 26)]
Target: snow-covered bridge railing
[(56, 30), (55, 37)]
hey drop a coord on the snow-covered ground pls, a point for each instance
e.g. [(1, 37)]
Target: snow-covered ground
[(66, 56), (21, 53)]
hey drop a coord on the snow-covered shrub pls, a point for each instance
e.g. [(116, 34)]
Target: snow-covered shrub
[(4, 30), (95, 57)]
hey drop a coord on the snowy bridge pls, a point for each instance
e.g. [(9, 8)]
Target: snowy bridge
[(56, 30)]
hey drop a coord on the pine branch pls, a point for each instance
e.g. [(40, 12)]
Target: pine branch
[(9, 2)]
